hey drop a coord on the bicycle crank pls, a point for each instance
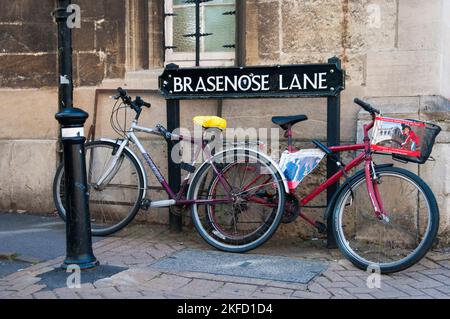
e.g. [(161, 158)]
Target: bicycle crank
[(291, 209)]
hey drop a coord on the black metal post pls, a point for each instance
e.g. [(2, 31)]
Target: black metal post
[(174, 170), (78, 228), (333, 139), (197, 33)]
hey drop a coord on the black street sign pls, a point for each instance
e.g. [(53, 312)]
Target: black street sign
[(306, 80)]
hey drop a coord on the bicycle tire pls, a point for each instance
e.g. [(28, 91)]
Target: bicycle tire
[(422, 248), (222, 242), (98, 231)]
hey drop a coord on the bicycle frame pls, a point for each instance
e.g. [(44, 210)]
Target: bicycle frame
[(370, 175), (174, 198)]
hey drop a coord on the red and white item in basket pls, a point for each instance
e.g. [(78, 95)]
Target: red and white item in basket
[(398, 136)]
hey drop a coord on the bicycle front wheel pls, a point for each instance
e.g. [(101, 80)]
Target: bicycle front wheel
[(257, 201), (386, 245), (113, 204)]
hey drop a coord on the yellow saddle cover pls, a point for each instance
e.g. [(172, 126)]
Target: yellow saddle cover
[(211, 121)]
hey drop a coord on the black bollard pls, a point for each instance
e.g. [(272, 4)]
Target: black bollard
[(78, 224)]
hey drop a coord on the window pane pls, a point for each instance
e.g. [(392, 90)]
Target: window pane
[(220, 2), (222, 27), (178, 2), (184, 23)]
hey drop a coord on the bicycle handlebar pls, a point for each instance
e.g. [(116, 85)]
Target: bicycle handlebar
[(366, 106), (136, 104)]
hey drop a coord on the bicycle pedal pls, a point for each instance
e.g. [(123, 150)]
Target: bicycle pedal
[(321, 227), (187, 167), (145, 204)]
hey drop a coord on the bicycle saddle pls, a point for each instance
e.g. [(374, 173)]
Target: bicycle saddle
[(210, 121), (286, 121)]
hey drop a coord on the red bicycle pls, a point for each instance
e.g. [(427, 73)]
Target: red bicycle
[(383, 217)]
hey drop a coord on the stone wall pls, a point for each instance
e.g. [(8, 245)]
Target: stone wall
[(28, 89)]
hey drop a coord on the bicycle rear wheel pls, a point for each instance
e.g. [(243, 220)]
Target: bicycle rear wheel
[(390, 245), (112, 205), (257, 205)]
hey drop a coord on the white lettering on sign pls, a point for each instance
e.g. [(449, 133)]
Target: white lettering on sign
[(177, 85), (304, 82), (249, 83), (72, 132), (265, 83)]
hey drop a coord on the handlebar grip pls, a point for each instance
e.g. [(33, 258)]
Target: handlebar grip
[(140, 102), (366, 106), (122, 92)]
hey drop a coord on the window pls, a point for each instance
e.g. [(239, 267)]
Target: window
[(214, 30)]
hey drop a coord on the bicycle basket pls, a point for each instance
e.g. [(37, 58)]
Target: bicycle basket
[(407, 140)]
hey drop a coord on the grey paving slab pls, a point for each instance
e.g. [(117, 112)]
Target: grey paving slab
[(57, 278), (243, 265)]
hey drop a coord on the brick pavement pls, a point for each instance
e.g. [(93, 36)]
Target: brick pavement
[(139, 246)]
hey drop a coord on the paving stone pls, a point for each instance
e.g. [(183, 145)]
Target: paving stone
[(435, 256), (444, 289), (437, 271), (428, 263), (420, 297), (201, 287), (260, 295), (44, 295), (443, 279), (90, 295), (333, 276), (276, 291), (309, 295), (411, 291), (352, 273), (226, 278), (6, 293), (338, 284), (238, 289), (167, 282), (66, 293), (436, 293), (30, 290), (23, 282), (360, 290), (340, 293), (430, 283), (389, 294), (317, 288), (364, 296)]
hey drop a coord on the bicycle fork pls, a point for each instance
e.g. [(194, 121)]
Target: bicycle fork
[(372, 181), (112, 167)]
